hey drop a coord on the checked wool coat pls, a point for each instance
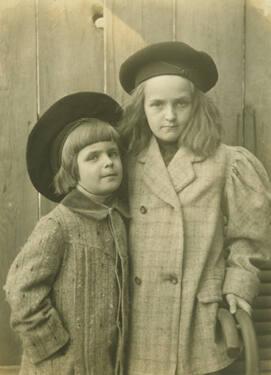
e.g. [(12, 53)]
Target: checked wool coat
[(184, 257)]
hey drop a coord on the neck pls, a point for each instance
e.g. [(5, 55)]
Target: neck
[(101, 199), (168, 150), (167, 145)]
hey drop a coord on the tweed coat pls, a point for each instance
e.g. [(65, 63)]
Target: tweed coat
[(183, 258), (68, 290)]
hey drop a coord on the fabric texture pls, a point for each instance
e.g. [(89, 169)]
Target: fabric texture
[(196, 228), (68, 291)]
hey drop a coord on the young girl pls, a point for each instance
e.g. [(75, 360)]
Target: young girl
[(183, 184), (67, 288)]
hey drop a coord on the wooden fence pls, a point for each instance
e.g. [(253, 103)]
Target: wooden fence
[(49, 48)]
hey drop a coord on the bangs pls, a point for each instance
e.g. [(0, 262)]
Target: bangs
[(87, 132)]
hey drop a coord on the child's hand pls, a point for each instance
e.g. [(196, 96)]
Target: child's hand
[(234, 302)]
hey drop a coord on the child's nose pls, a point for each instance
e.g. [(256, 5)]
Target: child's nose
[(170, 112), (108, 161)]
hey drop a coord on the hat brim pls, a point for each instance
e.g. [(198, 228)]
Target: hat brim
[(205, 73), (65, 111)]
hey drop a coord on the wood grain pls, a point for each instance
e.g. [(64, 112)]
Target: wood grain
[(261, 315), (70, 53), (258, 73), (217, 27), (18, 201), (56, 49), (130, 25)]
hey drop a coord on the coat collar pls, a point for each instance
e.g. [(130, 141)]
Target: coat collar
[(80, 203), (181, 168), (166, 182)]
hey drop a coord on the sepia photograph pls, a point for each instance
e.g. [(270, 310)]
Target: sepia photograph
[(135, 191)]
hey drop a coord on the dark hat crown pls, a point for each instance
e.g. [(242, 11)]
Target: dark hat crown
[(173, 58)]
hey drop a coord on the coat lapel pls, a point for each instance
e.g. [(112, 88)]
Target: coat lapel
[(167, 182), (181, 169), (156, 175)]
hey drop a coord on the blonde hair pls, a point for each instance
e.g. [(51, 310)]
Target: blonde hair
[(202, 134), (88, 131)]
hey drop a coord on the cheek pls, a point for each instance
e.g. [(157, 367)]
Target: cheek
[(151, 113), (147, 114), (88, 172), (153, 124), (153, 119), (185, 115)]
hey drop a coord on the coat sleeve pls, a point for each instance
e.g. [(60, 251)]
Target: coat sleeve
[(247, 208), (28, 287)]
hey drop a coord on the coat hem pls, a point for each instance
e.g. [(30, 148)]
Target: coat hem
[(210, 370)]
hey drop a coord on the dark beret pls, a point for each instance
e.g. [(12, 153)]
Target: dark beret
[(169, 58), (54, 126)]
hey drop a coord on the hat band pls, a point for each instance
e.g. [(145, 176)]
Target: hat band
[(159, 68)]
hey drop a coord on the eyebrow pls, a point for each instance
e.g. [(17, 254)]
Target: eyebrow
[(113, 148), (91, 153), (97, 151)]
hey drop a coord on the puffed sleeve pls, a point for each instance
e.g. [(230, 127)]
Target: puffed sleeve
[(248, 230), (28, 287)]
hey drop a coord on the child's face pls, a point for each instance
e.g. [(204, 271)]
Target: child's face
[(100, 168), (168, 106)]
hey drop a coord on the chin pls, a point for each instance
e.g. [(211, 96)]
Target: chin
[(169, 139)]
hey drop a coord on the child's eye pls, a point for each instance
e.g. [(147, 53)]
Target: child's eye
[(92, 157), (156, 104), (183, 103), (114, 154)]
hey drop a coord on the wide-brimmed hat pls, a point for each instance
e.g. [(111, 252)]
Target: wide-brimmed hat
[(169, 58), (54, 125)]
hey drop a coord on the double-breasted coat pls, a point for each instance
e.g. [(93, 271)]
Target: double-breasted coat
[(184, 257), (68, 291)]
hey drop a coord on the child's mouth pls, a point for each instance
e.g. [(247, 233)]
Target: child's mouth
[(110, 175), (170, 127)]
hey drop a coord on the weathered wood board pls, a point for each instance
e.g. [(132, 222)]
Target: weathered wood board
[(129, 26), (217, 27), (18, 200), (258, 77), (70, 53), (52, 48)]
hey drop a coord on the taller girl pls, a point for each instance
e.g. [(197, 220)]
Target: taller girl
[(184, 185)]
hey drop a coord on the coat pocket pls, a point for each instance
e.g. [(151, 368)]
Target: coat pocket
[(210, 291)]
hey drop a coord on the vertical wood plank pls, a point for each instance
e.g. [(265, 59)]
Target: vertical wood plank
[(70, 49), (18, 201), (217, 27), (258, 73), (130, 25)]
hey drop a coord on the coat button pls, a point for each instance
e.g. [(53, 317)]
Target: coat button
[(138, 281), (143, 210), (170, 277)]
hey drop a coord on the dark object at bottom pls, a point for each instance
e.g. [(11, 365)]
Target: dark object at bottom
[(230, 330)]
